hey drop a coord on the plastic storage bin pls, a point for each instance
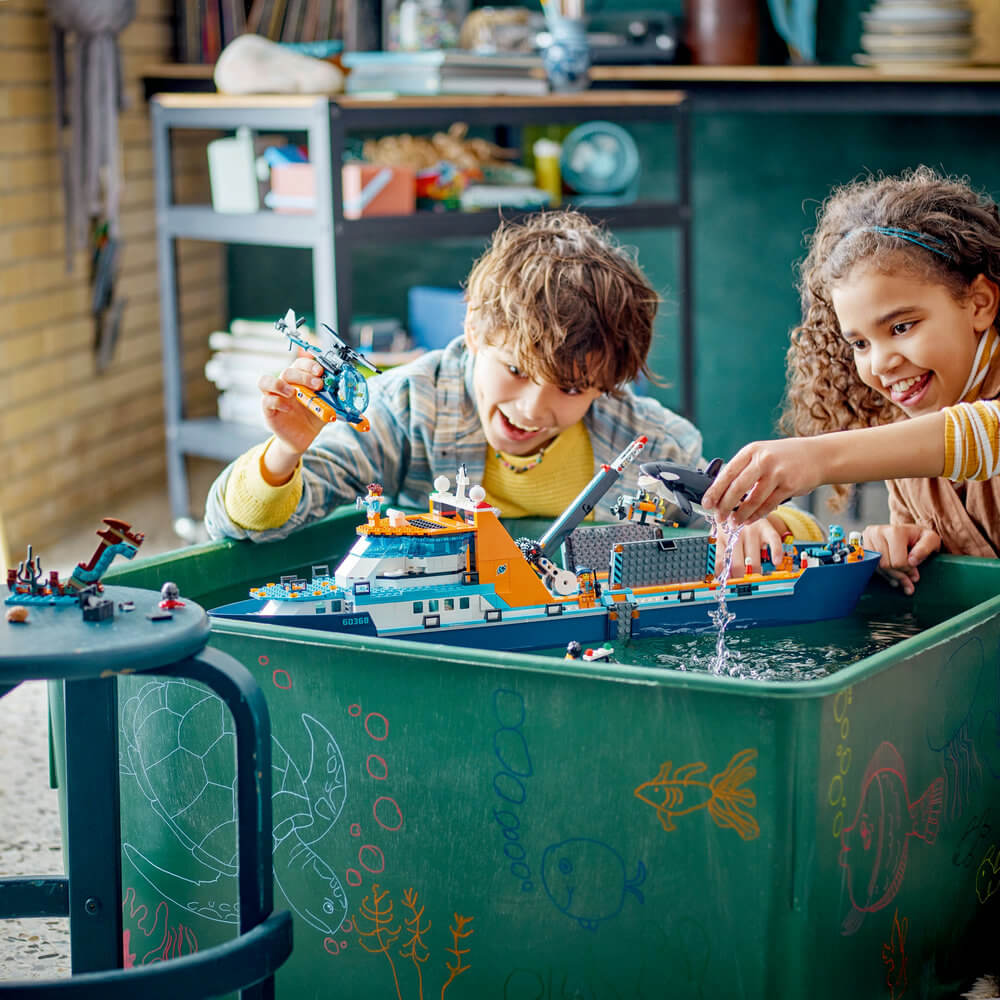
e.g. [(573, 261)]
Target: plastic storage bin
[(461, 823)]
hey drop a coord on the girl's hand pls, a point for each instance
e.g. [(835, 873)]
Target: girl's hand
[(765, 533), (903, 548), (294, 426), (761, 476)]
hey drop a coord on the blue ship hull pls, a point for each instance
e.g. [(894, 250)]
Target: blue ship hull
[(821, 592)]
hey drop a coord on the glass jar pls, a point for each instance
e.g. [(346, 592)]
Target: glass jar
[(413, 25)]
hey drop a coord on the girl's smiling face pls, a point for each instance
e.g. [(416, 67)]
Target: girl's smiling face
[(519, 415), (913, 341)]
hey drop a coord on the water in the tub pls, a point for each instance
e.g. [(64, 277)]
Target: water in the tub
[(787, 652)]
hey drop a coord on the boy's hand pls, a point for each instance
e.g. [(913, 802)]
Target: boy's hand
[(761, 476), (765, 533), (292, 424), (903, 547)]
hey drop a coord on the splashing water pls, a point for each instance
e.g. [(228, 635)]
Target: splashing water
[(722, 616)]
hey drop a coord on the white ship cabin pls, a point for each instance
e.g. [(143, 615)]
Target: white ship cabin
[(434, 547)]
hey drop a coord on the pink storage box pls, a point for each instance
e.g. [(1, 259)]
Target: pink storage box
[(372, 190), (293, 188)]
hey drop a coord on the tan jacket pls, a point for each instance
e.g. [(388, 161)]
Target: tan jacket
[(967, 517)]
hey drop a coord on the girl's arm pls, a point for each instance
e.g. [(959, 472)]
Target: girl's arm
[(764, 474)]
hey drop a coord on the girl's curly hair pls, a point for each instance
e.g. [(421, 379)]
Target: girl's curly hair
[(824, 392)]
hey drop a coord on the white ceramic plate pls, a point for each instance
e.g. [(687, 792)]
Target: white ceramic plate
[(909, 63), (884, 25), (917, 44)]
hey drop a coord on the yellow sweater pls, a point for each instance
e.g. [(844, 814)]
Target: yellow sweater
[(972, 427)]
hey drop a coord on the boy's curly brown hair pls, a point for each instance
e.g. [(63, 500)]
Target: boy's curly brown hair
[(824, 392), (571, 305)]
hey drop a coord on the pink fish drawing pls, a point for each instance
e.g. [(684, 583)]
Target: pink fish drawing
[(874, 848)]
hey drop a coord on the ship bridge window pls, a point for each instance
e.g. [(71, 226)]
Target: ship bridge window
[(415, 546), (449, 604), (463, 603), (432, 605), (418, 607)]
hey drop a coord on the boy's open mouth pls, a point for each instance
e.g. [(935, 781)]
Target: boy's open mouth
[(908, 390), (514, 431)]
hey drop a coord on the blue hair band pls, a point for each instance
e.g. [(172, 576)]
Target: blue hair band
[(920, 239)]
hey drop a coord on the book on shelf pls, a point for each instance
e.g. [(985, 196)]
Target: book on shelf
[(204, 27), (252, 347), (444, 71), (241, 407)]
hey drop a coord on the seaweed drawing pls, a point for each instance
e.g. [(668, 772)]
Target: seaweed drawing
[(381, 932), (413, 947), (458, 934)]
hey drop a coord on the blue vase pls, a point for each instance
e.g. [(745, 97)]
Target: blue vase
[(567, 56)]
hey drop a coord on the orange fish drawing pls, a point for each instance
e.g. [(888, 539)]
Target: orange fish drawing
[(722, 795)]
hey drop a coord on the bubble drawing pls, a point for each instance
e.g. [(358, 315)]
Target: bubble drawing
[(395, 820), (511, 749), (282, 679), (380, 766), (381, 723)]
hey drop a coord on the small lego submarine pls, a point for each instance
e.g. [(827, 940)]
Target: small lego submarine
[(455, 575)]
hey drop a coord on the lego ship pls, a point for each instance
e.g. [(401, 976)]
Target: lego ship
[(455, 575)]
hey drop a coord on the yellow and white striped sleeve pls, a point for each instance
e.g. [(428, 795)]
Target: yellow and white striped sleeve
[(972, 441)]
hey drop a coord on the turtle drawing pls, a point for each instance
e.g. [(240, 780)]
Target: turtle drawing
[(178, 743)]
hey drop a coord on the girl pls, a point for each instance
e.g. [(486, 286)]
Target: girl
[(900, 290)]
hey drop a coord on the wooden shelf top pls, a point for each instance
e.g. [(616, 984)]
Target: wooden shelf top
[(707, 74), (681, 75), (583, 98)]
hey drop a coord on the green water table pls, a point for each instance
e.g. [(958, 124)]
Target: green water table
[(460, 823)]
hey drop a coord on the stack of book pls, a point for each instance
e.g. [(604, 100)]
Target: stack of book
[(253, 347), (444, 71), (248, 349)]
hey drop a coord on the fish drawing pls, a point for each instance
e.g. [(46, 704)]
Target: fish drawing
[(722, 795), (874, 848), (587, 881), (894, 958)]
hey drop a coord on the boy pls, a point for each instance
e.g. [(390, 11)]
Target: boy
[(532, 399)]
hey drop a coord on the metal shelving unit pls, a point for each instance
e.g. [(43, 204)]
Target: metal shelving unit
[(331, 238)]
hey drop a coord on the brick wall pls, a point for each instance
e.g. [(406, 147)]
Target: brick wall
[(74, 441)]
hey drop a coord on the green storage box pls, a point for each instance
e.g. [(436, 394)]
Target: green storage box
[(463, 823)]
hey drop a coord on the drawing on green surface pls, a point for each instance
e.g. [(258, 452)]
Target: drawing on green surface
[(966, 731), (587, 880), (722, 796), (988, 874), (835, 796), (874, 847), (511, 749), (178, 744), (380, 933), (894, 958), (153, 941)]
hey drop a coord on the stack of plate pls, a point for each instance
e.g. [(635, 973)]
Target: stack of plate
[(908, 35)]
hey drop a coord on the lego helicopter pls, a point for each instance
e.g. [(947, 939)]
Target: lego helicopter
[(345, 390)]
